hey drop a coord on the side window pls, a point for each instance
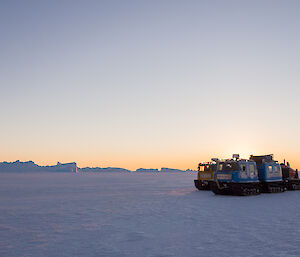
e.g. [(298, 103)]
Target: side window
[(252, 170), (243, 170), (270, 168), (276, 169)]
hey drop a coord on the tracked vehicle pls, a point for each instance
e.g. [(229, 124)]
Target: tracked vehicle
[(290, 177), (205, 175), (236, 177), (269, 174)]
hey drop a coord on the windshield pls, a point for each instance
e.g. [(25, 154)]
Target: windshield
[(228, 166), (206, 167)]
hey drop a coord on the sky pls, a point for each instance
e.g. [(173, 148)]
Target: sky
[(149, 83)]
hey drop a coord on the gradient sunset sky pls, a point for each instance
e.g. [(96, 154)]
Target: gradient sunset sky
[(149, 83)]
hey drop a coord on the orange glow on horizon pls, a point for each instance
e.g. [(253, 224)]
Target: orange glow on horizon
[(155, 162)]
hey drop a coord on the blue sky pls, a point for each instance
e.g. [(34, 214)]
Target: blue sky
[(148, 83)]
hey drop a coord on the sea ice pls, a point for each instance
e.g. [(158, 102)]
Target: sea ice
[(140, 214)]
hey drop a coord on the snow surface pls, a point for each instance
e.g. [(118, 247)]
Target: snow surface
[(140, 214)]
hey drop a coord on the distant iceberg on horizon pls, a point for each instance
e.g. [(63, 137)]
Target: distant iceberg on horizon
[(30, 166)]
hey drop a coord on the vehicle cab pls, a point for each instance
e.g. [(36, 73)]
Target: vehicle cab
[(205, 175), (236, 170), (268, 169), (206, 171), (236, 177)]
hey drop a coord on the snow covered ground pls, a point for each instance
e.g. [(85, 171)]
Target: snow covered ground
[(146, 214)]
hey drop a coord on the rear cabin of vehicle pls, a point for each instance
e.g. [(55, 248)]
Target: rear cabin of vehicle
[(269, 174)]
